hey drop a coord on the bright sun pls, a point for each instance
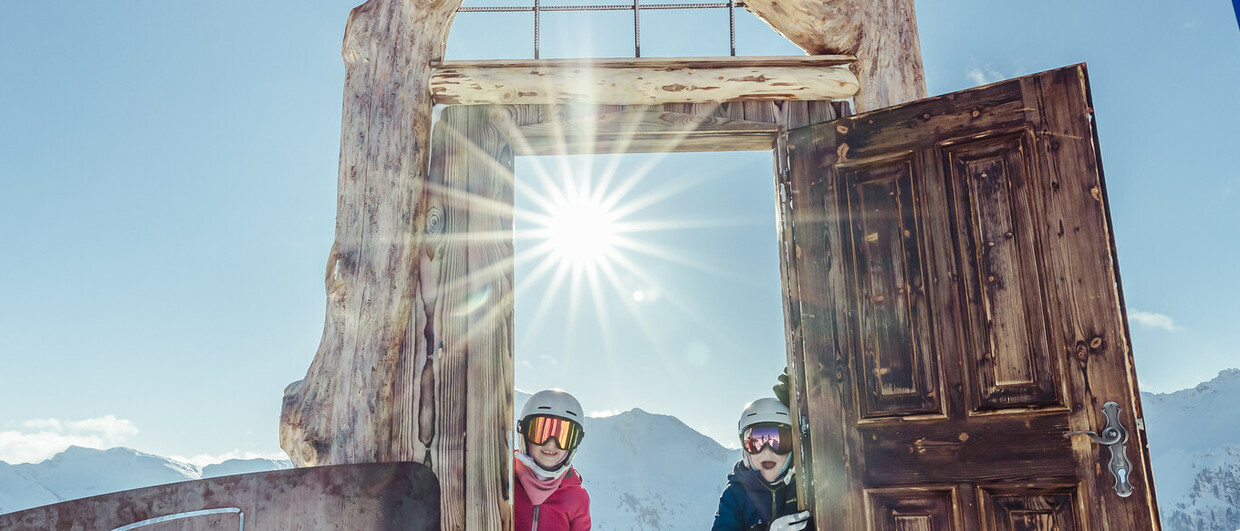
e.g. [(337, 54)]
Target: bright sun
[(581, 235), (581, 231)]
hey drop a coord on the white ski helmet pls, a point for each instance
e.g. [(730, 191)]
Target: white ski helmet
[(550, 403), (765, 411)]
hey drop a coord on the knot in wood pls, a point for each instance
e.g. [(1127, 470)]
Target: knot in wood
[(1081, 353), (1095, 343), (435, 221), (1096, 193)]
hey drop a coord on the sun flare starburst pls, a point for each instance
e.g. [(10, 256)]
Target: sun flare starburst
[(581, 231), (593, 236)]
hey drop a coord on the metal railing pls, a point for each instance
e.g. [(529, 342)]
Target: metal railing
[(636, 7), (188, 514)]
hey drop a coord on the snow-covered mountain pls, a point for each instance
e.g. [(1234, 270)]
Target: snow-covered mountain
[(80, 472), (650, 471), (1194, 437)]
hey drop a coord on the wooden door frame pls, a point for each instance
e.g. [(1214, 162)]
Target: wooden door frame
[(378, 388), (540, 130)]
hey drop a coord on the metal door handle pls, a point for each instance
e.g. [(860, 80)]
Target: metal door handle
[(1113, 437)]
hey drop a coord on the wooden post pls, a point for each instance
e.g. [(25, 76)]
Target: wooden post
[(419, 311), (461, 342), (881, 33), (341, 412)]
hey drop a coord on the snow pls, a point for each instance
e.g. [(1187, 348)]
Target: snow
[(233, 467), (1194, 437), (80, 472)]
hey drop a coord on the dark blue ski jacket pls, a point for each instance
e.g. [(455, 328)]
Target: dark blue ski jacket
[(748, 503)]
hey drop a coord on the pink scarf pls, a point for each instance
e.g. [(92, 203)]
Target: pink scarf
[(538, 489)]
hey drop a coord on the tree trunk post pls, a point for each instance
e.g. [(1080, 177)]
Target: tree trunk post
[(881, 33)]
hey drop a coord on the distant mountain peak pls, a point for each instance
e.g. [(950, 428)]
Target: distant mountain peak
[(1225, 377)]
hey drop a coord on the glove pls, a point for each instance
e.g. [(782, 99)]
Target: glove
[(781, 388), (791, 522)]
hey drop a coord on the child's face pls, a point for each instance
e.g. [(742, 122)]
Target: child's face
[(769, 463), (547, 454)]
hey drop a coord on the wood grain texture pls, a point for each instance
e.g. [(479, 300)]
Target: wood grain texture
[(645, 131), (488, 317), (797, 115), (329, 498), (1084, 274), (817, 314), (998, 214), (462, 353), (413, 257), (1036, 510), (665, 128), (648, 82), (898, 368), (1021, 366), (882, 34), (342, 411), (913, 509)]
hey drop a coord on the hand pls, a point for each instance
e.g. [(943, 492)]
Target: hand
[(781, 388), (791, 522)]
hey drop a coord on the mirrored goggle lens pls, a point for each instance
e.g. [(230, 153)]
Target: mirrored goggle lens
[(779, 438), (567, 434)]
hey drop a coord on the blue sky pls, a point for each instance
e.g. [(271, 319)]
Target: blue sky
[(167, 201)]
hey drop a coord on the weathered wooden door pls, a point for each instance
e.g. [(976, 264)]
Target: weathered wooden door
[(955, 310)]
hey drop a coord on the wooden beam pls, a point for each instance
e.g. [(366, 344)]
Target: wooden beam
[(647, 81), (881, 33), (643, 131)]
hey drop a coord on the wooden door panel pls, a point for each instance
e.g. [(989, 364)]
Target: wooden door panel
[(958, 310), (1034, 509), (918, 509), (1009, 361), (970, 450), (898, 371)]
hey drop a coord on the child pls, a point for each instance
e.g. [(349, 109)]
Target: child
[(548, 495), (761, 492)]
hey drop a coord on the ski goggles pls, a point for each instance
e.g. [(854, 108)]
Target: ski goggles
[(540, 429), (778, 438)]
